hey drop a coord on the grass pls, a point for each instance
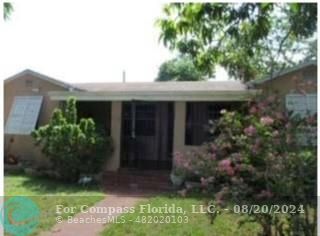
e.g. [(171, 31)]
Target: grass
[(47, 194), (198, 224)]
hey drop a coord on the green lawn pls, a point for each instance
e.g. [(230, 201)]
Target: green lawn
[(49, 193), (198, 224)]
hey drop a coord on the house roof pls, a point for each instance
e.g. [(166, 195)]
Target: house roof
[(284, 72), (159, 91), (40, 76), (163, 86), (147, 91)]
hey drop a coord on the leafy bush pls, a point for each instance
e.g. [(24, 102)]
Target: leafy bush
[(73, 147), (256, 158), (194, 163)]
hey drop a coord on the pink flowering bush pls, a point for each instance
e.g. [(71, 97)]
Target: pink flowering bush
[(256, 158), (195, 163)]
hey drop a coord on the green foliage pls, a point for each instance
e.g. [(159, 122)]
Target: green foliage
[(73, 148), (179, 69), (7, 10), (274, 168), (310, 51), (248, 39), (257, 158), (71, 113)]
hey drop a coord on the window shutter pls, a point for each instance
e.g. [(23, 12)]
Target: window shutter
[(23, 115)]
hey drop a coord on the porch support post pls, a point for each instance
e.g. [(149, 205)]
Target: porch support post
[(113, 164), (133, 120), (179, 126)]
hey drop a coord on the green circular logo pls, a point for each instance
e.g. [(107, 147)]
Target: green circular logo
[(19, 216)]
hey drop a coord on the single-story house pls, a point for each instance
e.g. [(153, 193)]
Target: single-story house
[(148, 122)]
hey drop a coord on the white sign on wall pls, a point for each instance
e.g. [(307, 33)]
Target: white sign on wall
[(23, 115)]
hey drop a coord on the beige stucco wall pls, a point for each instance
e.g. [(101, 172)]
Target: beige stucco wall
[(288, 83), (28, 85), (180, 112), (179, 126), (113, 164)]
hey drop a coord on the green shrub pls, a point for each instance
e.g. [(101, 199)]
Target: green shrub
[(257, 158), (73, 147)]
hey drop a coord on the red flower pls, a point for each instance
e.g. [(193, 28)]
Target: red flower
[(213, 147), (225, 165), (253, 110), (250, 130), (266, 120)]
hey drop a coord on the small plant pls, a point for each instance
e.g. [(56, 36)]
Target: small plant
[(73, 147), (178, 174)]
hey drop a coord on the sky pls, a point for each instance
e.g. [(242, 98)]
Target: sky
[(85, 41)]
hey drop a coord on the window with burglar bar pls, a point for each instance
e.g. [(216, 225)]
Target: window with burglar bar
[(198, 115)]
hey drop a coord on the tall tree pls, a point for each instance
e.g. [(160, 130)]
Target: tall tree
[(7, 10), (179, 69), (311, 51), (247, 39)]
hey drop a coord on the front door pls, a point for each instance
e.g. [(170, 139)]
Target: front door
[(147, 131)]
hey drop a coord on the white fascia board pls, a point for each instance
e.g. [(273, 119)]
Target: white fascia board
[(155, 96)]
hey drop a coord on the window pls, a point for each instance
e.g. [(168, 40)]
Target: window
[(198, 115), (100, 112), (144, 119), (301, 104), (24, 114)]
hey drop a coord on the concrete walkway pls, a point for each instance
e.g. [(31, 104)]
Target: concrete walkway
[(112, 200)]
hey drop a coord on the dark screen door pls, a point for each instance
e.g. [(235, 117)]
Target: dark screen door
[(146, 135)]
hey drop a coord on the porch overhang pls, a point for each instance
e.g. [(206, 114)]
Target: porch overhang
[(233, 95)]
